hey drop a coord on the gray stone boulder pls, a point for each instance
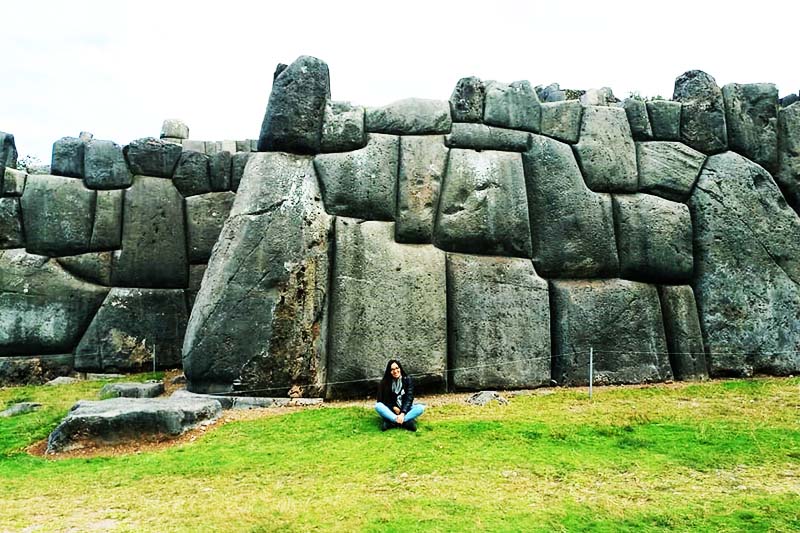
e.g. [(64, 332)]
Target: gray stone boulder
[(149, 389), (259, 320), (43, 309), (11, 235), (423, 160), (636, 111), (134, 330), (33, 370), (789, 99), (343, 127), (192, 174), (512, 105), (388, 301), (603, 96), (153, 250), (205, 215), (551, 93), (196, 273), (751, 115), (250, 402), (499, 323), (483, 137), (61, 381), (21, 408), (412, 116), (630, 348), (654, 238), (296, 109), (238, 162), (483, 207), (57, 215), (788, 174), (665, 119), (152, 157), (485, 397), (92, 267), (361, 183), (219, 171), (107, 224), (572, 227), (668, 169), (684, 336), (8, 152), (467, 100), (120, 420), (13, 183), (105, 166), (67, 158), (606, 152), (747, 269), (702, 112), (174, 128), (562, 120), (192, 145)]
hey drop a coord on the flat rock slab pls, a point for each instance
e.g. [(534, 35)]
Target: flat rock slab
[(133, 390), (668, 169), (250, 402), (484, 397), (62, 380), (483, 137), (20, 409), (119, 420), (412, 116)]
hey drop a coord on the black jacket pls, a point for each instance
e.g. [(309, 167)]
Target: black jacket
[(389, 398)]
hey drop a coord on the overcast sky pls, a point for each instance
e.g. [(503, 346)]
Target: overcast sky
[(117, 69)]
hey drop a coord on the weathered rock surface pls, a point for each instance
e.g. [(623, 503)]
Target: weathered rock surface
[(423, 160), (654, 238), (8, 152), (92, 267), (485, 397), (152, 157), (483, 207), (192, 173), (512, 105), (361, 183), (67, 158), (572, 227), (57, 215), (789, 99), (702, 112), (249, 402), (11, 235), (747, 269), (196, 273), (467, 100), (551, 93), (43, 309), (205, 215), (14, 182), (296, 109), (105, 166), (60, 381), (132, 329), (412, 116), (603, 96), (665, 119), (788, 174), (751, 115), (388, 300), (499, 323), (119, 420), (175, 128), (219, 171), (238, 162), (636, 111), (620, 320), (606, 152), (28, 370), (668, 169), (21, 408), (343, 127), (153, 250), (483, 137), (684, 336), (258, 323), (107, 225), (562, 120), (150, 389)]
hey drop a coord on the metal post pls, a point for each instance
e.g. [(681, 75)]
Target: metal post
[(591, 370)]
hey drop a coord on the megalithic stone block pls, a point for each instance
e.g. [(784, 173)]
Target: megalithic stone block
[(665, 119), (467, 100), (205, 216), (788, 174), (512, 105), (751, 115), (684, 336), (702, 112), (152, 157), (67, 158), (105, 166), (412, 116), (606, 152), (423, 160), (11, 235)]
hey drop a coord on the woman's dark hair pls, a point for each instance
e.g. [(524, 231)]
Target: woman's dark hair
[(386, 383)]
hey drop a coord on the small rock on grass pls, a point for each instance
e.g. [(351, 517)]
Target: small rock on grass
[(20, 409), (484, 397)]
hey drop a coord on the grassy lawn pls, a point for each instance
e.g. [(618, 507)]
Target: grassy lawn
[(715, 456)]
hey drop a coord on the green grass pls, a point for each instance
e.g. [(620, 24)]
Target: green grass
[(718, 456)]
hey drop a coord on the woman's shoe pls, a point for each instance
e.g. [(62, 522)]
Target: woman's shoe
[(385, 424), (410, 425)]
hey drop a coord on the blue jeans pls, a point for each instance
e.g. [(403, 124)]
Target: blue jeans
[(416, 410)]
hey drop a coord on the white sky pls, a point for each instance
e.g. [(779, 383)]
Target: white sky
[(117, 69)]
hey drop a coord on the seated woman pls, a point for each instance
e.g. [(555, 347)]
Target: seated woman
[(396, 399)]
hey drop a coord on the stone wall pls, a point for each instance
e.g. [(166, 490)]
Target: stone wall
[(490, 241)]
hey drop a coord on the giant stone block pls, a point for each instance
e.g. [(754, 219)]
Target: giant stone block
[(684, 336), (619, 320), (606, 152), (665, 119), (483, 207), (11, 235), (636, 110), (105, 166), (107, 225), (388, 301), (92, 267), (467, 100), (668, 169), (205, 215), (343, 127), (747, 269), (259, 320), (788, 174), (702, 112), (562, 120), (483, 137), (67, 158), (512, 105), (751, 112), (423, 160), (153, 253), (499, 323), (152, 157), (192, 173), (572, 227), (412, 116)]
